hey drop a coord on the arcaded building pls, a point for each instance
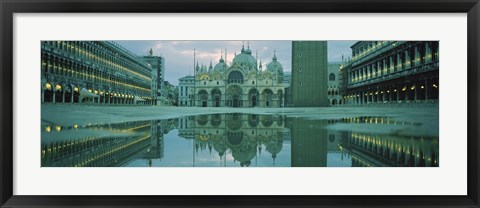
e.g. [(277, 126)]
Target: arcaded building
[(391, 72), (97, 72), (243, 84), (309, 74)]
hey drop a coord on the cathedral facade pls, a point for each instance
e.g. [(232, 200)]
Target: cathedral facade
[(246, 83)]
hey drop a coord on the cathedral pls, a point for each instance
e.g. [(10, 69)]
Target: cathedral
[(243, 84)]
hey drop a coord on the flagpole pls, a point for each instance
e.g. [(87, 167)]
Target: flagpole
[(194, 79)]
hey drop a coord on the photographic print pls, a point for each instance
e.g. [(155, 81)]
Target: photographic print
[(233, 104)]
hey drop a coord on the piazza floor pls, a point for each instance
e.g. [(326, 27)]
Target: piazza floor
[(68, 115)]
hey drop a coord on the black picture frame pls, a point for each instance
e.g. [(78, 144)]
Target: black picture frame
[(10, 7)]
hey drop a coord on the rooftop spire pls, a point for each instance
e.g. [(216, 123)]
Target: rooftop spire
[(221, 56)]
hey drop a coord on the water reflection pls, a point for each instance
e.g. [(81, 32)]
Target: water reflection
[(236, 140)]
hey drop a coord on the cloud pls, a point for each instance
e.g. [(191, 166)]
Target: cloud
[(179, 54)]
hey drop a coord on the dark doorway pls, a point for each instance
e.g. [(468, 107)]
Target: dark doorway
[(235, 101), (217, 101)]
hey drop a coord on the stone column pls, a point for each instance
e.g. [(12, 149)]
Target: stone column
[(211, 100), (369, 71), (416, 60), (399, 62), (390, 96), (415, 93), (384, 61), (365, 98), (407, 59), (406, 93), (391, 65), (365, 73), (428, 53)]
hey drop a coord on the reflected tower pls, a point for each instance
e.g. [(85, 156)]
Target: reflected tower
[(309, 142)]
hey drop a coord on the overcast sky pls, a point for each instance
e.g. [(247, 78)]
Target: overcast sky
[(179, 54)]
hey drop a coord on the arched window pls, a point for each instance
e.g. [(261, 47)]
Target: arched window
[(235, 77), (331, 77)]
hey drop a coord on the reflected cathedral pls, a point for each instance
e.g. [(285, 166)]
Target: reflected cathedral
[(235, 140)]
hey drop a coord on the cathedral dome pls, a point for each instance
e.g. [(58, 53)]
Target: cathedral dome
[(245, 59), (221, 66), (244, 156), (275, 147), (275, 66)]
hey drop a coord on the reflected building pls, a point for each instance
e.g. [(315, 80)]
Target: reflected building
[(391, 72), (97, 72), (309, 142), (241, 135), (103, 145), (387, 150), (240, 140)]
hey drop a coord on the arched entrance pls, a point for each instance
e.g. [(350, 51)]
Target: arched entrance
[(203, 95), (76, 94), (267, 97), (216, 95), (59, 93), (48, 93), (236, 102), (68, 94), (253, 97), (234, 96)]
